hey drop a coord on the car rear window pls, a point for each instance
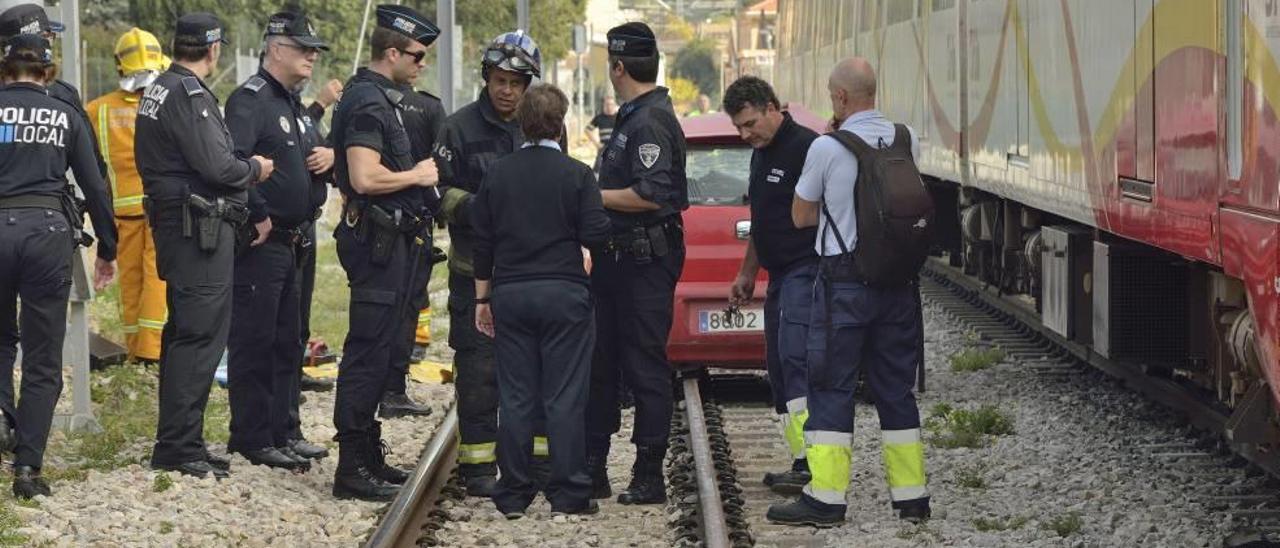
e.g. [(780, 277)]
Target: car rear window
[(718, 175)]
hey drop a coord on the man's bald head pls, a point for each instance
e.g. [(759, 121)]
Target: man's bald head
[(853, 87)]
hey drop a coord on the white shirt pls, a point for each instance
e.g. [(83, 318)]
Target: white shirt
[(542, 143), (830, 172)]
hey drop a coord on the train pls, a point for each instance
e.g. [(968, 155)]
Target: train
[(1114, 164)]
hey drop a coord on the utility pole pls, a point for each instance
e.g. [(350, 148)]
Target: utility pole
[(522, 15), (444, 52)]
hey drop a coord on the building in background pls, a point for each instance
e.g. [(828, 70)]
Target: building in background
[(754, 48)]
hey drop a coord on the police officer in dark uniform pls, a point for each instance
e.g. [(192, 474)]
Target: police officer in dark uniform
[(39, 235), (423, 115), (265, 116), (31, 19), (642, 181), (195, 188), (470, 142), (384, 243)]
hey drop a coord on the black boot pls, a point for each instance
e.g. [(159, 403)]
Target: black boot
[(399, 405), (647, 484), (308, 450), (27, 483), (790, 482), (376, 457), (354, 480), (480, 480), (597, 466), (314, 384), (914, 511), (806, 511), (272, 457)]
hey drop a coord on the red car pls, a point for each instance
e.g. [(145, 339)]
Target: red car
[(717, 226)]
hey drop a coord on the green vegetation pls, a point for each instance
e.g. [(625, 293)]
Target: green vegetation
[(951, 428), (166, 527), (1064, 525), (972, 477), (1009, 523), (976, 359), (9, 525), (162, 483)]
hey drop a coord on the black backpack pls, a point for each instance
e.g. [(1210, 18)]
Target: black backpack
[(895, 213)]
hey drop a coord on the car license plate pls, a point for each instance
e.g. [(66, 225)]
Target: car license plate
[(745, 320)]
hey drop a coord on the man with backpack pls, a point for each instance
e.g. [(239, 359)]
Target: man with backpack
[(861, 188)]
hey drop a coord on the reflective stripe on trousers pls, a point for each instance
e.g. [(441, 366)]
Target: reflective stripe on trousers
[(793, 426), (903, 455), (830, 455), (477, 453), (540, 447)]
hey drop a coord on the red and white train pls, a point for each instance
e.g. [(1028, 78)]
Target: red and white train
[(1116, 161)]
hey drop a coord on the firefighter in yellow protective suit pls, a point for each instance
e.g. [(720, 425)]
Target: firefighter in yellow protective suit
[(139, 60)]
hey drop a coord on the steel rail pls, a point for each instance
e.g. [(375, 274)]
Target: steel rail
[(715, 530), (400, 525)]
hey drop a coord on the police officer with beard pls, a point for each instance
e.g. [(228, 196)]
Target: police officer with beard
[(470, 142), (39, 139), (195, 188), (643, 185), (266, 117), (384, 243)]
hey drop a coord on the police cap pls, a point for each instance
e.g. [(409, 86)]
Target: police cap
[(295, 25), (26, 19), (198, 29), (405, 20), (31, 42), (632, 40)]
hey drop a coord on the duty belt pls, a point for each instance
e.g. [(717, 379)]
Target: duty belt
[(643, 243), (31, 201), (296, 236)]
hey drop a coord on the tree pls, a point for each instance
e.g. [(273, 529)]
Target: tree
[(696, 61)]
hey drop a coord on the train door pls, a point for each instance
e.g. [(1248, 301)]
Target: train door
[(1135, 139), (992, 125), (1252, 105), (940, 143)]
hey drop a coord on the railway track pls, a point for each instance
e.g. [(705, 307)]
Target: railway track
[(411, 511)]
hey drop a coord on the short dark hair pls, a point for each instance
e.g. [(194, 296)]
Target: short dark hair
[(27, 64), (190, 54), (749, 91), (641, 69), (384, 39), (541, 112)]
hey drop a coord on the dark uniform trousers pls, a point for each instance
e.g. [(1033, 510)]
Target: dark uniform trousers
[(787, 305), (633, 319), (265, 346), (306, 287), (475, 378), (545, 334), (385, 299), (198, 294), (35, 265)]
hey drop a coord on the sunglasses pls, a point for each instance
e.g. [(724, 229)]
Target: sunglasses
[(518, 58), (416, 55)]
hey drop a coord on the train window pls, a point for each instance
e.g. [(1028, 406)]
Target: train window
[(899, 11), (1235, 86), (939, 5)]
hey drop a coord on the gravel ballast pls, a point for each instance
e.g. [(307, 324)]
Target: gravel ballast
[(256, 506)]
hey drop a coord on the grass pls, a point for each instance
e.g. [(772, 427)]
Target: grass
[(1064, 525), (952, 428), (166, 527), (9, 525), (976, 359), (972, 477), (1009, 523), (162, 483)]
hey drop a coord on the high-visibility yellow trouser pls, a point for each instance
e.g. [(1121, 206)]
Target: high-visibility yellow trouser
[(793, 426), (830, 454), (142, 293), (423, 334), (483, 453)]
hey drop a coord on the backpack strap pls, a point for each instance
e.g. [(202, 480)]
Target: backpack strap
[(831, 223), (853, 142), (902, 140)]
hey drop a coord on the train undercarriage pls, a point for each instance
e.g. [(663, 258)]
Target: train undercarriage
[(1127, 302)]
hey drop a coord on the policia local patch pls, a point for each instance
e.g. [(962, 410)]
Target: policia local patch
[(44, 126)]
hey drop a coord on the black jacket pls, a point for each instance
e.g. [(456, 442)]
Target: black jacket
[(182, 145), (535, 211), (268, 120), (41, 138), (775, 169), (470, 141), (646, 153), (369, 116)]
